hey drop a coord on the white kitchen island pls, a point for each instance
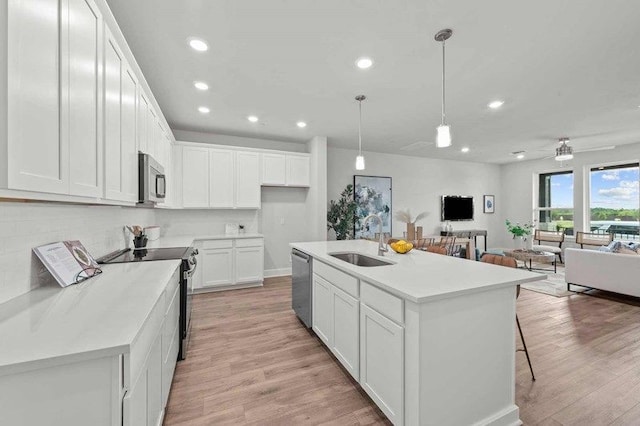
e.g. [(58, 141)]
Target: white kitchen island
[(430, 338)]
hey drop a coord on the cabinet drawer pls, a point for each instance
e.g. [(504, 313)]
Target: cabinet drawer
[(249, 242), (343, 281), (216, 244), (383, 302), (171, 321)]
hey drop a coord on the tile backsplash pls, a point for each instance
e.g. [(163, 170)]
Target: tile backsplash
[(27, 225)]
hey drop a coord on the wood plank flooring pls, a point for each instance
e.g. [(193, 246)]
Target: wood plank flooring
[(251, 362)]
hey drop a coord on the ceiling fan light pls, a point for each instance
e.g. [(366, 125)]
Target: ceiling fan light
[(564, 152), (443, 139), (359, 162)]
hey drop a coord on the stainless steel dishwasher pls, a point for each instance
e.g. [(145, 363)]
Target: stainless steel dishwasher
[(301, 293)]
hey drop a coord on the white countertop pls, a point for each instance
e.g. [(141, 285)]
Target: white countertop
[(187, 240), (419, 276), (98, 317)]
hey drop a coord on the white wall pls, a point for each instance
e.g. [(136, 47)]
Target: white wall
[(519, 186), (317, 196), (204, 222), (27, 225), (418, 184), (185, 135)]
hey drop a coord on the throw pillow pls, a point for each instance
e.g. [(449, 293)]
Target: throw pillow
[(625, 250)]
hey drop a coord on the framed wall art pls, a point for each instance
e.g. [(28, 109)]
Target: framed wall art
[(489, 204), (372, 194)]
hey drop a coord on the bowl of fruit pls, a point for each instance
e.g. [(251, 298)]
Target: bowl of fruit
[(400, 246)]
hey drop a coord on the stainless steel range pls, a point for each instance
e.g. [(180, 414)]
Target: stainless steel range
[(187, 268)]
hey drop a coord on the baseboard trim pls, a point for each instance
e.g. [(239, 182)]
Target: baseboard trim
[(282, 272), (509, 416), (227, 287)]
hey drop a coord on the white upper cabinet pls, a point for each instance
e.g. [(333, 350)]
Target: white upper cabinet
[(274, 170), (298, 170), (33, 92), (82, 95), (221, 178), (279, 169), (76, 109), (142, 122), (195, 177), (247, 180), (120, 152)]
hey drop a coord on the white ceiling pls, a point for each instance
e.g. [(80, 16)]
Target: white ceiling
[(564, 68)]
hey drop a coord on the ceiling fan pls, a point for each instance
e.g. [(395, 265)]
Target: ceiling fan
[(564, 152)]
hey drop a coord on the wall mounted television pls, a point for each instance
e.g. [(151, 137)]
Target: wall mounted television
[(457, 208)]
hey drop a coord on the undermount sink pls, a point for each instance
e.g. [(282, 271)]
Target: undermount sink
[(359, 259)]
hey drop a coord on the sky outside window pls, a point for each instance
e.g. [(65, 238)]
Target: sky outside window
[(615, 188), (562, 191)]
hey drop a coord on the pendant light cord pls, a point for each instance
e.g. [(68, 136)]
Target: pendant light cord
[(360, 128), (443, 97)]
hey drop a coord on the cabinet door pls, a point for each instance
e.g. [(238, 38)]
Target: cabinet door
[(249, 261), (322, 310), (152, 133), (297, 170), (382, 362), (221, 185), (142, 122), (195, 177), (113, 149), (37, 158), (129, 161), (154, 383), (274, 169), (82, 95), (217, 268), (346, 332), (247, 180)]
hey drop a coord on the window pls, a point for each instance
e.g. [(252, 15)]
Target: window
[(614, 202), (555, 202)]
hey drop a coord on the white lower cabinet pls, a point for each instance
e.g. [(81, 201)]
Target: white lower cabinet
[(382, 361), (366, 341), (322, 310), (226, 263), (336, 322)]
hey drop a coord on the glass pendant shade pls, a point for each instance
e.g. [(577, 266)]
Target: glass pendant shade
[(443, 138), (359, 162)]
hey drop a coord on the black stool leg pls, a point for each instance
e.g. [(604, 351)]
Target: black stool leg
[(525, 348)]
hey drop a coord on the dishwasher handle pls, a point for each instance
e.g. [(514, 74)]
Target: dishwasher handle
[(300, 255)]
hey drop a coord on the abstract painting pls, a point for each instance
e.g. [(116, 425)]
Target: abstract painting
[(372, 195)]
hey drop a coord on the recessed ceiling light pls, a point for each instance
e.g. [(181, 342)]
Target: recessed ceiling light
[(201, 85), (364, 63), (496, 104), (252, 118), (301, 124), (204, 110), (465, 149), (199, 45), (520, 156)]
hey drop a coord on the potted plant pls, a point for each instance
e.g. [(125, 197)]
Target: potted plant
[(521, 232), (341, 215)]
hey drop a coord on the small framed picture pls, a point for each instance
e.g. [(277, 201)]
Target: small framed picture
[(489, 205)]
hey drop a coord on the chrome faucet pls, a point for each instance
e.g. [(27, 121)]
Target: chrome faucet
[(381, 245)]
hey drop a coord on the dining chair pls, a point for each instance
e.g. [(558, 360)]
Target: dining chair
[(511, 263), (437, 249), (423, 243), (448, 243)]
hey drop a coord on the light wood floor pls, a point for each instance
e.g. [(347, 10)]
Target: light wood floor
[(250, 361)]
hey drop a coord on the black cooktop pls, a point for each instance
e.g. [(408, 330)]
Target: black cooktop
[(145, 255)]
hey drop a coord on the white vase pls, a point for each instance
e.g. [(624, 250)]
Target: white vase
[(529, 242), (519, 243)]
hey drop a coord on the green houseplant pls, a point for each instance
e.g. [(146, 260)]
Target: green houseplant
[(341, 215)]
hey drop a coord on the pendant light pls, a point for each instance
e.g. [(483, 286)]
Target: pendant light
[(564, 152), (443, 138), (360, 158)]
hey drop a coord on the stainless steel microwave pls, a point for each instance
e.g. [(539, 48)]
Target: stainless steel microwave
[(152, 182)]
